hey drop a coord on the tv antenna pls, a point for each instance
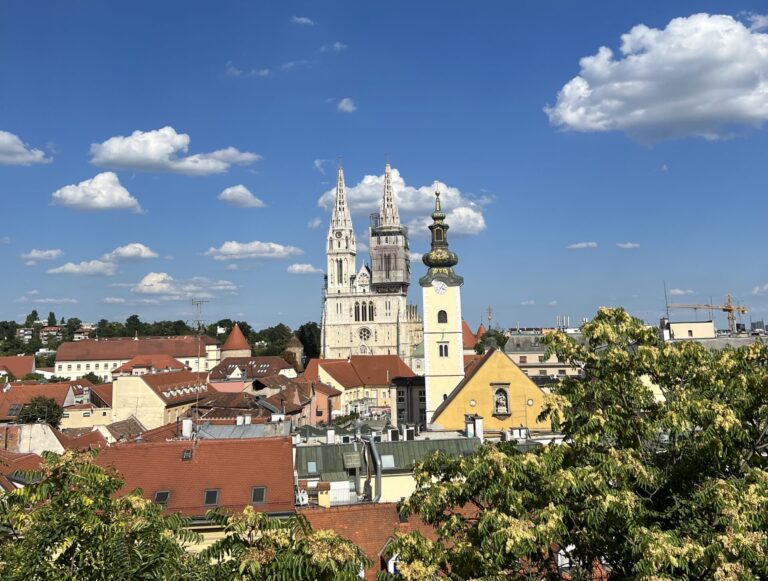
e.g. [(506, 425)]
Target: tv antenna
[(489, 314)]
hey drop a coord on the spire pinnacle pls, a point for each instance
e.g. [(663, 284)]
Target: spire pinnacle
[(388, 214), (341, 217)]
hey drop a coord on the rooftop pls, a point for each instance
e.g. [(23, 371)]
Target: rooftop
[(127, 348)]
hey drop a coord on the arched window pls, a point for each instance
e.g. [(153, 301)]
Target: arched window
[(442, 317), (357, 311), (339, 272), (438, 234), (370, 311), (363, 312), (501, 402)]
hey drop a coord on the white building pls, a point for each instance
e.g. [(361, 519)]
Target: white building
[(365, 310)]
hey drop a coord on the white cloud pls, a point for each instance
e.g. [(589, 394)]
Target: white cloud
[(346, 105), (628, 245), (415, 256), (552, 303), (306, 21), (13, 151), (760, 290), (320, 165), (241, 197), (232, 266), (170, 289), (53, 301), (335, 47), (303, 269), (581, 245), (113, 300), (147, 302), (678, 292), (528, 303), (89, 268), (129, 252), (232, 250), (34, 256), (314, 223), (159, 150), (102, 192), (33, 292), (756, 21), (232, 71), (699, 76), (293, 64), (464, 215)]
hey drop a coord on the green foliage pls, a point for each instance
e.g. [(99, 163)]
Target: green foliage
[(93, 378), (257, 546), (68, 525), (32, 377), (309, 335), (51, 319), (671, 487), (133, 325), (41, 408), (272, 340), (32, 318)]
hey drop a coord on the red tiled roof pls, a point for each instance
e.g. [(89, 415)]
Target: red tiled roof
[(233, 467), (235, 340), (369, 526), (252, 367), (23, 394), (159, 361), (11, 462), (360, 370), (325, 389), (467, 337), (18, 365), (102, 392), (88, 441), (126, 429), (127, 348), (480, 331), (168, 383)]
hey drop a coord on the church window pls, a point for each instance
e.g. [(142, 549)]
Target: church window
[(443, 349), (442, 317), (365, 334), (363, 313), (370, 311), (357, 311), (339, 272), (438, 234), (387, 265)]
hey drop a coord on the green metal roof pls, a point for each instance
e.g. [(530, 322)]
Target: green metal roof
[(327, 458), (405, 454)]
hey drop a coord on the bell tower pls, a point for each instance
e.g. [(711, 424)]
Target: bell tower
[(341, 250), (441, 293)]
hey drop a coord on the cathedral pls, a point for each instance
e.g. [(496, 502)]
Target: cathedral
[(366, 311)]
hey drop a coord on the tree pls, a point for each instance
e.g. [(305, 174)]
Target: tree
[(71, 326), (309, 335), (256, 546), (68, 524), (662, 472), (32, 377), (41, 408), (31, 318), (51, 319), (272, 340), (491, 338), (93, 378)]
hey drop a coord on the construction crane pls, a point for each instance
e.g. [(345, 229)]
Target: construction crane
[(729, 308)]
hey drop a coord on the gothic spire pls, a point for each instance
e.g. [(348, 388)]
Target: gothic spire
[(341, 217), (388, 214)]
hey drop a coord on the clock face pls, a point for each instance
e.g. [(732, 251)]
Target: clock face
[(440, 287), (338, 234)]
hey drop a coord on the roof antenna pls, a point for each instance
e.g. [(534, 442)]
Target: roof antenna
[(198, 304), (666, 300)]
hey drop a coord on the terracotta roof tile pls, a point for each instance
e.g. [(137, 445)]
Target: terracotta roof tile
[(12, 462), (251, 367), (233, 467), (178, 387), (157, 361), (103, 393), (18, 365), (235, 340), (16, 396), (127, 348), (467, 337), (126, 429), (360, 370)]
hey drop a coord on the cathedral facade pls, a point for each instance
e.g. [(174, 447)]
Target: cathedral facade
[(365, 310)]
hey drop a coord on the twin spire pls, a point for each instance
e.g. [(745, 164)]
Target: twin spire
[(388, 214)]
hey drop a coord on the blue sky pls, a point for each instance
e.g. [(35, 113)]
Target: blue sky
[(659, 148)]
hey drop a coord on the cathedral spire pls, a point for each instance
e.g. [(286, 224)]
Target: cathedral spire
[(388, 214), (341, 217)]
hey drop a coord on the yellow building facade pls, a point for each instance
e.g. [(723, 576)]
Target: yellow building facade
[(498, 391)]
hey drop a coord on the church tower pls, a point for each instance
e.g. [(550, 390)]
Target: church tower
[(390, 260), (341, 242), (441, 292)]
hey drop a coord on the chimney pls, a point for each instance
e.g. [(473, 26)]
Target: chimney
[(479, 428), (186, 428), (248, 420), (330, 436), (240, 420)]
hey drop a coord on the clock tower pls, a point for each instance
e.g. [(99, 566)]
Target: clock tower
[(441, 291)]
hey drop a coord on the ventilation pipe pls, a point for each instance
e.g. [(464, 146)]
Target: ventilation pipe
[(377, 464), (330, 436), (186, 428)]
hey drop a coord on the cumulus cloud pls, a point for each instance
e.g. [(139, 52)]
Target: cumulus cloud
[(160, 149), (415, 256), (314, 223), (628, 245), (168, 288), (303, 269), (232, 250), (304, 20), (34, 256), (582, 245), (86, 268), (699, 76), (102, 192), (679, 292), (233, 71), (129, 252), (241, 197), (347, 105), (13, 151), (464, 215)]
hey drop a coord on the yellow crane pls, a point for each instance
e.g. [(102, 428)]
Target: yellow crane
[(729, 308)]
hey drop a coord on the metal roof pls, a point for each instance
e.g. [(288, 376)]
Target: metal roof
[(234, 432), (327, 458), (407, 453)]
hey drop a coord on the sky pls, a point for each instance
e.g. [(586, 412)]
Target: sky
[(590, 153)]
